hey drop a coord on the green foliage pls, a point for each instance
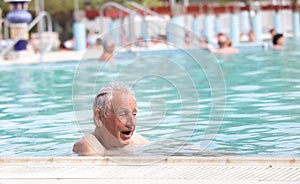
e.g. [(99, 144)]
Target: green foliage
[(4, 7), (55, 6), (59, 6), (151, 3), (148, 3)]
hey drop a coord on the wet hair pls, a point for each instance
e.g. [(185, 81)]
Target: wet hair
[(276, 38), (105, 95)]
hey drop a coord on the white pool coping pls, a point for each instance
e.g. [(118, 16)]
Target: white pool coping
[(28, 57), (149, 170)]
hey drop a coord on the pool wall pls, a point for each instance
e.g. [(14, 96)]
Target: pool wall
[(149, 169)]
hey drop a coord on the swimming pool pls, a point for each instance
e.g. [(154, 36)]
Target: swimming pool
[(46, 107)]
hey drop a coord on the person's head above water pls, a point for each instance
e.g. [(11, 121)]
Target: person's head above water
[(222, 40), (115, 112), (108, 49), (225, 45), (108, 45), (272, 32), (278, 41)]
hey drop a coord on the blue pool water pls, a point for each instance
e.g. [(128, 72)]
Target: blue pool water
[(190, 103)]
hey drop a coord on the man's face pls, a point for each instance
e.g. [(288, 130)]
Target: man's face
[(121, 118)]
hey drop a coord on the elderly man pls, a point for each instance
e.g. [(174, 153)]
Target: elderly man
[(115, 112)]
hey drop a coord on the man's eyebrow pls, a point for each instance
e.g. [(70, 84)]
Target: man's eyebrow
[(122, 109)]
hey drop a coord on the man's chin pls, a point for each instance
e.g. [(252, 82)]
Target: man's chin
[(126, 142)]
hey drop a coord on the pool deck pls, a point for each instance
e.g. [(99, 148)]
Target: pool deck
[(28, 57), (210, 170)]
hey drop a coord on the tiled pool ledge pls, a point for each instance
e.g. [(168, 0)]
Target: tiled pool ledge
[(96, 160), (150, 169)]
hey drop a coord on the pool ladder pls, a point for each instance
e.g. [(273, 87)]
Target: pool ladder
[(131, 13), (154, 26)]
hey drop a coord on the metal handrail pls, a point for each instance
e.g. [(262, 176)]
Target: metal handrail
[(143, 8), (30, 26), (120, 7), (146, 11)]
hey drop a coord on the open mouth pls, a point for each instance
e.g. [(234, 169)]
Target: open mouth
[(126, 132)]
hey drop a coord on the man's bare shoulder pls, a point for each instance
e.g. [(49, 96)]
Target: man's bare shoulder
[(88, 146), (138, 139)]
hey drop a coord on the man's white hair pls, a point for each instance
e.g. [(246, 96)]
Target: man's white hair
[(105, 95)]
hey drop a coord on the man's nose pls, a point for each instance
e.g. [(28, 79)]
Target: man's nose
[(130, 123)]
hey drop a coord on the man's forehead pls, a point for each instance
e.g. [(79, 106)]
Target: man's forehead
[(123, 100), (121, 96)]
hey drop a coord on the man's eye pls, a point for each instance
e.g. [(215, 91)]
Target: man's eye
[(123, 114)]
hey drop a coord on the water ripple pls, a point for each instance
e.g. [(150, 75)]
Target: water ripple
[(261, 115)]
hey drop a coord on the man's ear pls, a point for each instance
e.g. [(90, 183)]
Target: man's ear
[(98, 117)]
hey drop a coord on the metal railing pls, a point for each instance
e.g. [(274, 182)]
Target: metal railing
[(131, 12), (149, 12), (143, 8), (124, 9), (39, 18), (154, 26)]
